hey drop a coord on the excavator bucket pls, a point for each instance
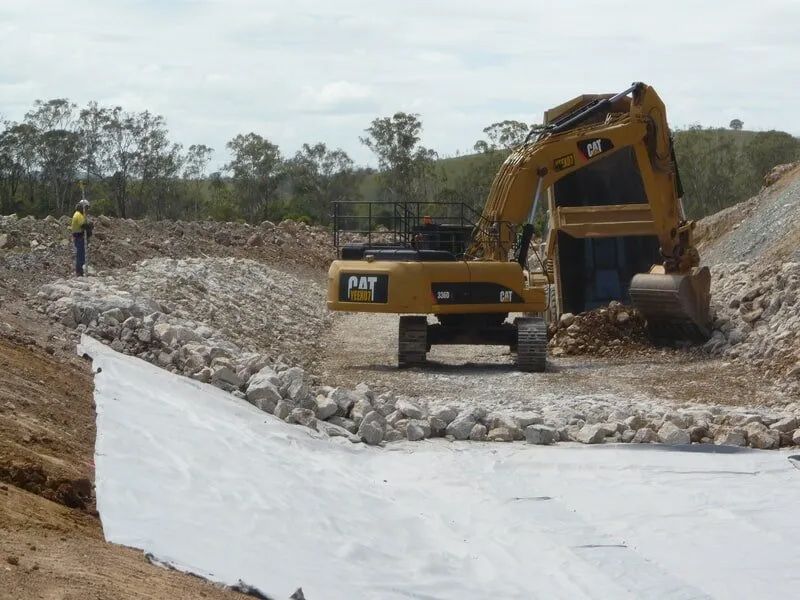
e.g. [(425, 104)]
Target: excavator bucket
[(676, 307)]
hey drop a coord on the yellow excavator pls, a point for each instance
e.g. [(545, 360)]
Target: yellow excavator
[(616, 230)]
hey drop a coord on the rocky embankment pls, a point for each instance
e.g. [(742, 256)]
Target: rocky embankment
[(235, 307), (758, 319), (254, 331)]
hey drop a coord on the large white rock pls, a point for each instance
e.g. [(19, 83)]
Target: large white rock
[(645, 435), (174, 334), (333, 430), (506, 422), (541, 435), (325, 407), (478, 433), (462, 425), (438, 426), (732, 436), (294, 385), (303, 416), (418, 429), (500, 434), (759, 436), (344, 422), (345, 399), (523, 420), (262, 390), (785, 425), (283, 409), (360, 409), (363, 388), (446, 414), (371, 429), (670, 433), (226, 375), (592, 433), (409, 409)]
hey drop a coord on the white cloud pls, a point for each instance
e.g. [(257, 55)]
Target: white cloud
[(339, 97), (307, 71)]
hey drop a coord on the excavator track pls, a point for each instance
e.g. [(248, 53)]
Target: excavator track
[(674, 306), (531, 344), (412, 347)]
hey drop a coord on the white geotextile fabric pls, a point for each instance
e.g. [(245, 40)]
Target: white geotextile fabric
[(212, 485)]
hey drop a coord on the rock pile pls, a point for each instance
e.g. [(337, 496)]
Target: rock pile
[(758, 318), (226, 307), (684, 426), (612, 331), (250, 329)]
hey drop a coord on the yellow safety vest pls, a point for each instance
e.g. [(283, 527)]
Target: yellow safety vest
[(78, 221)]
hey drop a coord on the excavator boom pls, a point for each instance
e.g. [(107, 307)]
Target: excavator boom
[(608, 171)]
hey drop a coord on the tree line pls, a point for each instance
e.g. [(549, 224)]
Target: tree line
[(718, 167), (721, 167), (130, 167)]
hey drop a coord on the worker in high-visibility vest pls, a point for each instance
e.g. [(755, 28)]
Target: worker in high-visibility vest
[(81, 229)]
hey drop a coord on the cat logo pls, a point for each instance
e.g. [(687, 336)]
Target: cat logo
[(592, 148), (564, 162), (363, 287)]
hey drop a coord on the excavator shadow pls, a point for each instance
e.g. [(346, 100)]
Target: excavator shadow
[(473, 369)]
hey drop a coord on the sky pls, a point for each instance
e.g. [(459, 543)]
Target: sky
[(300, 71)]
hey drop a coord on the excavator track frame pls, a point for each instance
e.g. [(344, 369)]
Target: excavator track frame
[(412, 344), (531, 344)]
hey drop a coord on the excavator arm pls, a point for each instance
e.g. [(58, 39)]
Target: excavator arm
[(674, 295)]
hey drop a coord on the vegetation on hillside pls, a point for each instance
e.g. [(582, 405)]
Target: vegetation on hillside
[(132, 168)]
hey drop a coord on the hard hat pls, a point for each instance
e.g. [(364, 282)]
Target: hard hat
[(84, 202)]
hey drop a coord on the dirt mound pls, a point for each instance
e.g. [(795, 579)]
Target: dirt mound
[(613, 331), (74, 493)]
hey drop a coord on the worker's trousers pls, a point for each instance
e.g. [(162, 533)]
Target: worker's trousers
[(80, 252)]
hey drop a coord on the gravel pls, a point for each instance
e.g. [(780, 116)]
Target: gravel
[(751, 230)]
